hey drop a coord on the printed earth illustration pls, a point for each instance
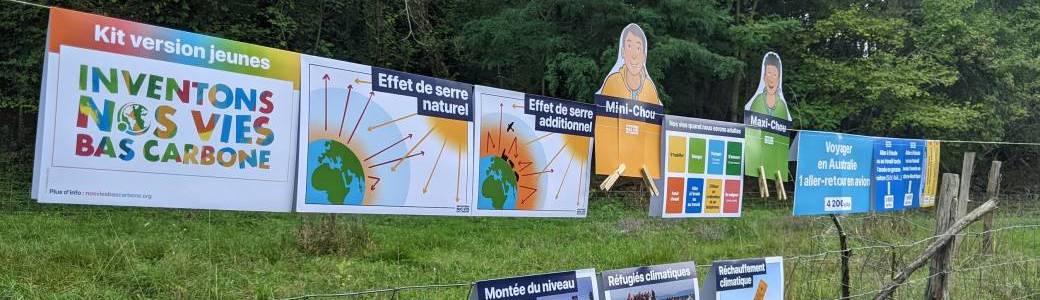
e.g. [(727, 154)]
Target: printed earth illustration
[(132, 119), (338, 173), (497, 184)]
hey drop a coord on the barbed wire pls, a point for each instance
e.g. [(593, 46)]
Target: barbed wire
[(789, 259), (951, 271), (861, 294), (380, 291)]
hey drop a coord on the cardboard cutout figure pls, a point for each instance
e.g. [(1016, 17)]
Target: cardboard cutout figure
[(629, 79), (767, 118), (629, 113)]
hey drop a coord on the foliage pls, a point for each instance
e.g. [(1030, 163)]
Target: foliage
[(957, 69)]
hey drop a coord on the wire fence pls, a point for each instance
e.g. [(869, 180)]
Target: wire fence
[(1004, 274), (881, 245)]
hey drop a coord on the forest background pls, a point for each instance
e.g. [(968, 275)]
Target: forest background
[(934, 69)]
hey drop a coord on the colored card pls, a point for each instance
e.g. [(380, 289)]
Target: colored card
[(734, 158), (694, 195), (716, 157), (731, 195), (698, 155), (676, 195), (713, 196), (676, 154)]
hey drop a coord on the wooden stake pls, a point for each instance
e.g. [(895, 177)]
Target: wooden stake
[(936, 246), (945, 215), (964, 194), (989, 245), (846, 253), (649, 182), (609, 182), (763, 185), (781, 193)]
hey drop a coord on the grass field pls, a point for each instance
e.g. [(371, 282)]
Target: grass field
[(62, 251), (87, 252)]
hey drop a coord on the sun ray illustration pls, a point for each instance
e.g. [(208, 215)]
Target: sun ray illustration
[(565, 171), (426, 188), (371, 128), (343, 117), (538, 138), (458, 176), (370, 94), (549, 164), (394, 167)]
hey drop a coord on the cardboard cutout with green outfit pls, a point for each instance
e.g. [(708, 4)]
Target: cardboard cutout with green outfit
[(767, 117)]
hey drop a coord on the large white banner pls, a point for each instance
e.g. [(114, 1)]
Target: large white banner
[(534, 155), (138, 115), (380, 141)]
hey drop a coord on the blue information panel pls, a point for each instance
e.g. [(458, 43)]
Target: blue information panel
[(834, 173), (913, 171), (888, 174), (898, 169)]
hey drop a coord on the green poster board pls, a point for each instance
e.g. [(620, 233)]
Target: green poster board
[(768, 120)]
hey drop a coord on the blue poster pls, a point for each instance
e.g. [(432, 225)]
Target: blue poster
[(834, 173), (889, 187), (913, 172)]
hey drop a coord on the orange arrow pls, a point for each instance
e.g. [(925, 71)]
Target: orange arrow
[(394, 167), (426, 188)]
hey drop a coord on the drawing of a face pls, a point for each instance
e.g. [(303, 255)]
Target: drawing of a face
[(634, 54), (772, 79)]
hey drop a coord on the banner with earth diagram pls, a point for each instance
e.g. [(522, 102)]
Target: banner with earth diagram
[(380, 141), (534, 154), (139, 115)]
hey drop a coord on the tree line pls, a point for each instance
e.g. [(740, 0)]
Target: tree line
[(939, 69)]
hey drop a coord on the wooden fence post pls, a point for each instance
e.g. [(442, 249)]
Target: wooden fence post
[(963, 195), (846, 253), (941, 240), (992, 190), (763, 185), (945, 215)]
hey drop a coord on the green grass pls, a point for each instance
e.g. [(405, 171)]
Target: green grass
[(57, 251)]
